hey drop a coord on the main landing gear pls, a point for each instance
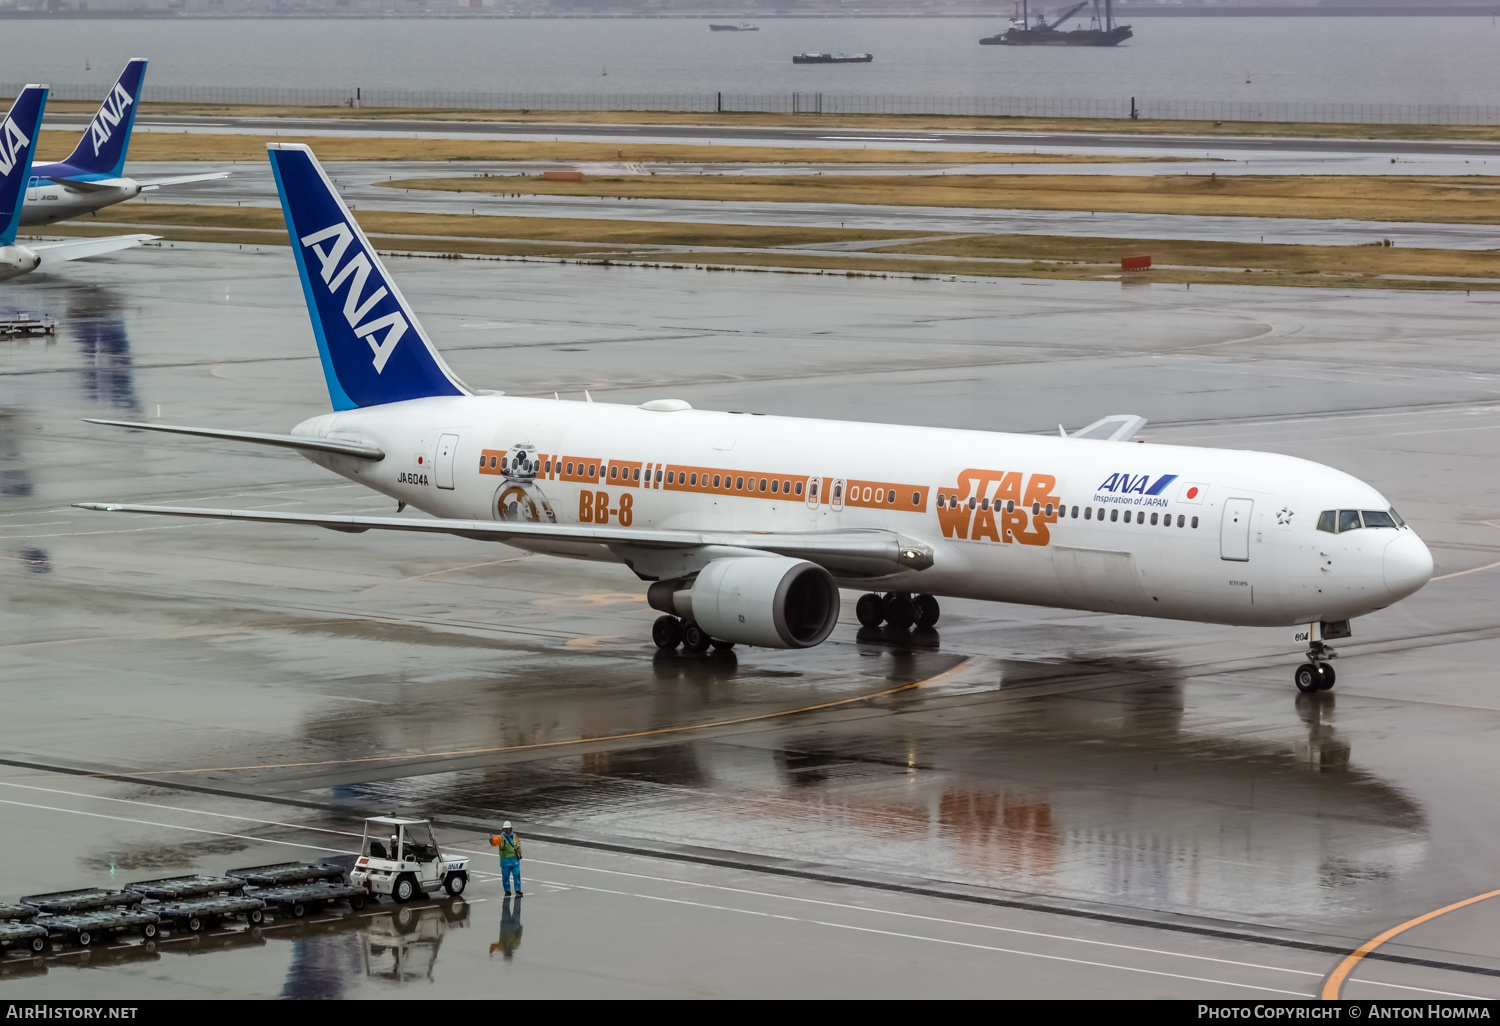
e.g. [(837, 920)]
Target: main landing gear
[(1316, 674), (670, 631), (898, 609)]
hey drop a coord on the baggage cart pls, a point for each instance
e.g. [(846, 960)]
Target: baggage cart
[(84, 928), (298, 899), (84, 899), (193, 885), (197, 913), (280, 874)]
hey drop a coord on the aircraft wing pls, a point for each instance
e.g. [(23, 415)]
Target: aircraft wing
[(1117, 427), (183, 180), (859, 552), (78, 249)]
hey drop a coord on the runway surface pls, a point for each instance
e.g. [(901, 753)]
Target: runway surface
[(252, 184), (1067, 805)]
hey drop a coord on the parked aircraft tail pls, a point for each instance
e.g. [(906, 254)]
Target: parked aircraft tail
[(101, 151), (373, 349), (18, 135)]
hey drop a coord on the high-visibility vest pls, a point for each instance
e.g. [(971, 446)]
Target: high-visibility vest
[(510, 847)]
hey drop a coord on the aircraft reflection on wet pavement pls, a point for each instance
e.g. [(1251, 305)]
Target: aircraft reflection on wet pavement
[(399, 945)]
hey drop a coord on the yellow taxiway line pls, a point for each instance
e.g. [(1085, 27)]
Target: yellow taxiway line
[(1335, 981)]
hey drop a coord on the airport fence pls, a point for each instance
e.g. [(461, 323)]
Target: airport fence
[(812, 103)]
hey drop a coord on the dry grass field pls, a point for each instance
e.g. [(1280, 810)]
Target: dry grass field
[(56, 145), (882, 252), (1473, 200)]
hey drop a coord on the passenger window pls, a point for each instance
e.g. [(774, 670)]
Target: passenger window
[(916, 498), (1036, 509), (1195, 523), (1328, 521), (1378, 518), (658, 477), (775, 486), (799, 488), (1179, 520), (1349, 520), (890, 495), (1153, 520), (549, 467), (592, 468), (762, 484), (1088, 512), (1075, 512), (1049, 509), (1114, 515), (984, 503), (1010, 505), (570, 469), (637, 473)]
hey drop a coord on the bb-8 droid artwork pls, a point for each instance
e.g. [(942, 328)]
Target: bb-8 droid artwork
[(519, 499)]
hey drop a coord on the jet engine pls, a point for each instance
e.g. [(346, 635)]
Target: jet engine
[(15, 260), (770, 601)]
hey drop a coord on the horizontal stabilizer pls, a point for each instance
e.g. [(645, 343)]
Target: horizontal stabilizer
[(182, 180), (80, 249), (1117, 427), (87, 185), (333, 445), (869, 552)]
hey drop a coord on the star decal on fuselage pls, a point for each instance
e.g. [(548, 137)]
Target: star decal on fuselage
[(1283, 516)]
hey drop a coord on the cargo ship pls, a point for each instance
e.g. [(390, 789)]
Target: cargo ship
[(1024, 32), (833, 58), (743, 26)]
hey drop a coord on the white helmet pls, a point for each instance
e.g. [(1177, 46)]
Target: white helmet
[(505, 825)]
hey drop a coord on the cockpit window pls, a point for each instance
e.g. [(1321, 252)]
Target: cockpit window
[(1397, 517), (1349, 520), (1378, 518), (1328, 521)]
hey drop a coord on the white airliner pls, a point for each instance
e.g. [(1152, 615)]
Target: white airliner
[(93, 176), (19, 130), (748, 526)]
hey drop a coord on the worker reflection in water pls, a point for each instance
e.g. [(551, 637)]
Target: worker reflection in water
[(510, 929), (510, 858)]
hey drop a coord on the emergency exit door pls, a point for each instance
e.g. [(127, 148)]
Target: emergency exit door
[(1234, 530), (443, 471)]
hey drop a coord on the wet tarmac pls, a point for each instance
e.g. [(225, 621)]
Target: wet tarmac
[(360, 184), (1066, 804)]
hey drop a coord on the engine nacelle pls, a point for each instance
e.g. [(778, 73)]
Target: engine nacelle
[(16, 260), (770, 601)]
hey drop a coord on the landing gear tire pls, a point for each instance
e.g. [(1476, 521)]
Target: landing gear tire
[(900, 612), (1309, 678), (1328, 676), (722, 646), (927, 610), (667, 632), (870, 610), (694, 640)]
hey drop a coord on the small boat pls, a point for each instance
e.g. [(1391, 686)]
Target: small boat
[(743, 26), (833, 58)]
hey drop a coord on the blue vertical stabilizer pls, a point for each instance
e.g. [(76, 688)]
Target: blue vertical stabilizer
[(18, 135), (372, 347), (101, 151)]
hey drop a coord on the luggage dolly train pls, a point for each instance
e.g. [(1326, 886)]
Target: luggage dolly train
[(192, 903)]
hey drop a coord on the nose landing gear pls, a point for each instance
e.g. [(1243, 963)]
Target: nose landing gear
[(897, 609), (1316, 674)]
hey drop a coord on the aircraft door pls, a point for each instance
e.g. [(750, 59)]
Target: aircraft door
[(836, 496), (814, 492), (1234, 530), (31, 189), (443, 472)]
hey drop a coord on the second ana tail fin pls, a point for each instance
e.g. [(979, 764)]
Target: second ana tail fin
[(101, 151)]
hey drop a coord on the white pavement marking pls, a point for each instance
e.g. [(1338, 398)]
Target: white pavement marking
[(936, 940), (172, 826)]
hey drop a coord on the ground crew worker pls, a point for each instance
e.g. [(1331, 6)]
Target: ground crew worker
[(510, 857)]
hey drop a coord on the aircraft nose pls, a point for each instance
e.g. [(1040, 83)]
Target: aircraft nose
[(1408, 564)]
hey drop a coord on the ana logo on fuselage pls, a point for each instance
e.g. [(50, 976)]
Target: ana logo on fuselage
[(13, 143), (355, 273), (109, 116), (1126, 484)]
